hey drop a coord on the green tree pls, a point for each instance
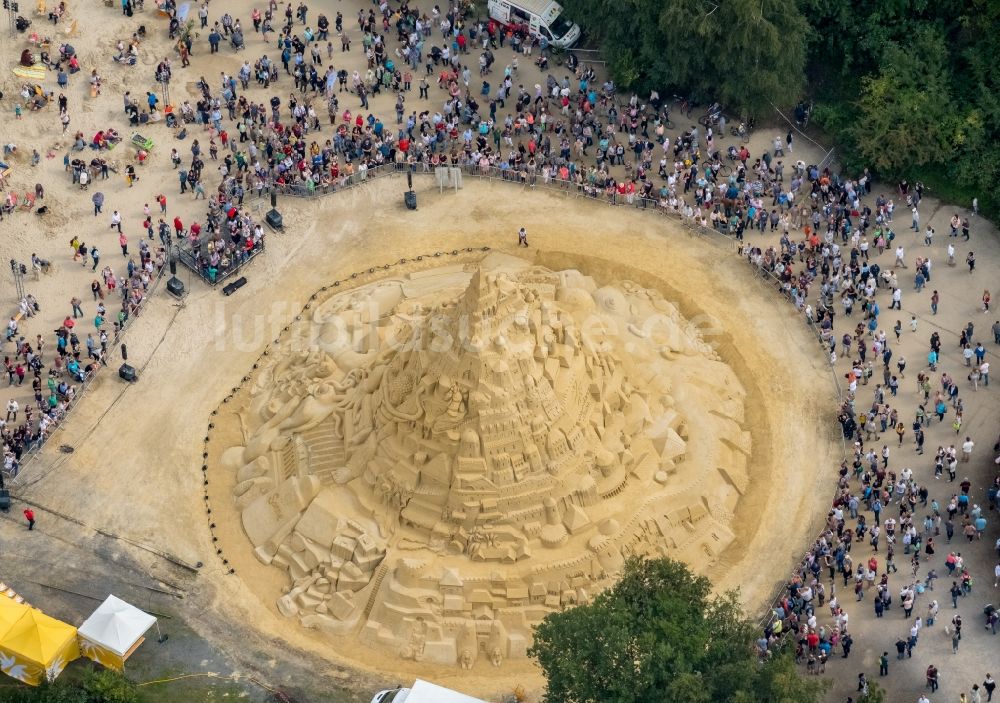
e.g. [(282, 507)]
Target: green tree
[(659, 634), (96, 686), (107, 686), (745, 54), (905, 115), (56, 692), (876, 694)]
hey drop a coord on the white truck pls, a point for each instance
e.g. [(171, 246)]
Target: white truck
[(423, 692), (540, 18)]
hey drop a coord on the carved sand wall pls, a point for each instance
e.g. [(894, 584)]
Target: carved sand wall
[(457, 452)]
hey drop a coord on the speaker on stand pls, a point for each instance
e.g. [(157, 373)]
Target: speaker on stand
[(127, 372), (174, 285), (273, 217), (409, 197)]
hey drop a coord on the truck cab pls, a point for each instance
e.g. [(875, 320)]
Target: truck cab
[(539, 18)]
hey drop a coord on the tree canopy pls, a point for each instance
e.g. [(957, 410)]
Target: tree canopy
[(95, 686), (659, 634), (742, 53)]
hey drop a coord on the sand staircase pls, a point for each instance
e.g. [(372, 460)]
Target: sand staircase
[(326, 450), (383, 569)]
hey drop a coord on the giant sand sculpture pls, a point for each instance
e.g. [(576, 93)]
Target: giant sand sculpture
[(455, 453)]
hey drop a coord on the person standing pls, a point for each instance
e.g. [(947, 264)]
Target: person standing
[(883, 664), (967, 446), (932, 677), (522, 237), (29, 515), (989, 684)]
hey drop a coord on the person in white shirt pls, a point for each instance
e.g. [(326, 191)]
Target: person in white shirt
[(967, 447)]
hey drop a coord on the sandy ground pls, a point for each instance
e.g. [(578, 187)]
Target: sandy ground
[(136, 471)]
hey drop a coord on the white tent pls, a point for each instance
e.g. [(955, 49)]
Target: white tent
[(113, 632)]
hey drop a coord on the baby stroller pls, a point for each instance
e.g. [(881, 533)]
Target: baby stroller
[(237, 40)]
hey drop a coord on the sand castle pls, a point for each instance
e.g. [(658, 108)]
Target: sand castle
[(439, 460)]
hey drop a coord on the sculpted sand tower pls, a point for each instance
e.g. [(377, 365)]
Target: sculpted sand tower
[(463, 450)]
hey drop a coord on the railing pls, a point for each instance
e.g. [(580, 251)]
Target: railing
[(30, 453), (187, 257)]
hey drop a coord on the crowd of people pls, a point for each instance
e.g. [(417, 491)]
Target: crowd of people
[(902, 524)]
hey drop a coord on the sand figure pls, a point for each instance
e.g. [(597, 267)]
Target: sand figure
[(460, 452)]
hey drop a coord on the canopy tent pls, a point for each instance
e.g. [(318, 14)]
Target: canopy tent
[(10, 612), (33, 646), (113, 632)]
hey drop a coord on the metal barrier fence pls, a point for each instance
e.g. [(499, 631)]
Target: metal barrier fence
[(187, 257), (29, 454)]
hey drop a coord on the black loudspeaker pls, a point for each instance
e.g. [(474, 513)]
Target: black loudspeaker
[(175, 287), (273, 219), (274, 198), (231, 288), (124, 353), (127, 373), (410, 198), (4, 500), (173, 267)]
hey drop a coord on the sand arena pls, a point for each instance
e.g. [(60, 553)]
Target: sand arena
[(436, 453)]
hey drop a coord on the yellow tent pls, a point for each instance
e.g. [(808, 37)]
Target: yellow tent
[(10, 612), (34, 646)]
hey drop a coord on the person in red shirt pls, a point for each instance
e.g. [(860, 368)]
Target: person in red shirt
[(812, 641), (29, 515), (178, 226)]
